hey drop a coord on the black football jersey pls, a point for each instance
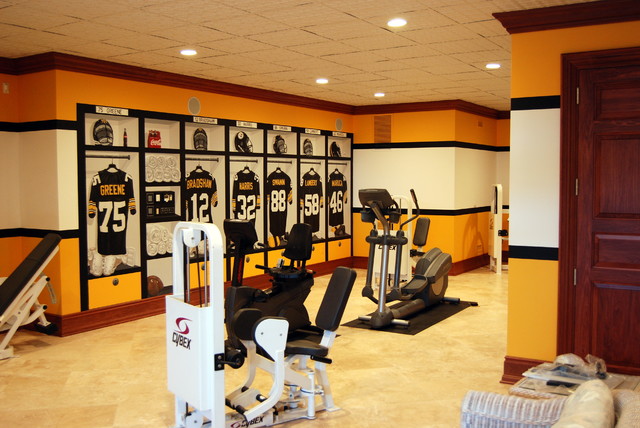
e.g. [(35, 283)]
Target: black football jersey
[(245, 195), (310, 196), (337, 195), (112, 199), (201, 195), (279, 195)]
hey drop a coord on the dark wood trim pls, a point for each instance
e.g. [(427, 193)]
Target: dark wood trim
[(515, 366), (93, 319), (457, 268), (7, 66), (59, 61), (572, 15), (567, 238), (504, 115), (459, 105), (572, 65), (360, 262), (469, 264)]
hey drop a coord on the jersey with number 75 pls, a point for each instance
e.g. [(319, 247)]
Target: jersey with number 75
[(112, 199)]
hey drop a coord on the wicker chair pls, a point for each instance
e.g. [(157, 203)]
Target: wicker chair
[(592, 405)]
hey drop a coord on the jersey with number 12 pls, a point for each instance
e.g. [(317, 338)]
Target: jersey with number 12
[(201, 195)]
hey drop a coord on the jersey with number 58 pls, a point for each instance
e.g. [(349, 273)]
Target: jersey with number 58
[(310, 195)]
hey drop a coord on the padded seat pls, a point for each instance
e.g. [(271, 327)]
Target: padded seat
[(306, 347)]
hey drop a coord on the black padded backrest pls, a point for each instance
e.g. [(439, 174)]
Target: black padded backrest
[(22, 276), (335, 298), (243, 322), (422, 231), (300, 243)]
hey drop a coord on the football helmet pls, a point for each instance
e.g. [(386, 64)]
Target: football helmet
[(279, 145), (307, 147), (334, 150), (243, 143), (102, 133), (200, 139)]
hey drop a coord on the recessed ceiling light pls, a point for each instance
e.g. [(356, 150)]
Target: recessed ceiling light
[(379, 94), (493, 66), (397, 22), (188, 52), (322, 81)]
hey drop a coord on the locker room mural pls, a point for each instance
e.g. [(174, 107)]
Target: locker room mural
[(142, 172)]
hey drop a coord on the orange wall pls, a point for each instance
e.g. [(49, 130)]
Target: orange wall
[(72, 88), (536, 57), (537, 71), (9, 102)]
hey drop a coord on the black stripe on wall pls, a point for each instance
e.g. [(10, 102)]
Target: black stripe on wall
[(463, 211), (38, 233), (533, 253), (535, 103), (40, 125), (429, 144)]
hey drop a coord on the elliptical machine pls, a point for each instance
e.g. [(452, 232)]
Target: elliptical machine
[(290, 285), (430, 280)]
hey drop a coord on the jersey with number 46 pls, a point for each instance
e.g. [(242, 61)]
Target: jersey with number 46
[(245, 195), (310, 195), (279, 196), (337, 195), (112, 198)]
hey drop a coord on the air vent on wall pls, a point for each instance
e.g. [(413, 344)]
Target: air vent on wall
[(382, 129)]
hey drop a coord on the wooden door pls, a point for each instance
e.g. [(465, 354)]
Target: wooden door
[(603, 290)]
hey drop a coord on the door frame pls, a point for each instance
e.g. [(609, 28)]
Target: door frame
[(572, 65)]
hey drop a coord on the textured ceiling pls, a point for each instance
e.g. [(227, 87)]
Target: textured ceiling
[(284, 45)]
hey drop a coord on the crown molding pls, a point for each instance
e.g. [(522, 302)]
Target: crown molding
[(572, 15), (59, 61), (459, 105)]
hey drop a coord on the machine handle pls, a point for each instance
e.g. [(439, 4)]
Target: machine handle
[(415, 202)]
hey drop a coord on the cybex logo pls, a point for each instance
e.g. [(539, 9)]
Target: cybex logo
[(180, 335), (243, 424)]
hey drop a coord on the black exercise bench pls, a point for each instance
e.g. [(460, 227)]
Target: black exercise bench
[(19, 293)]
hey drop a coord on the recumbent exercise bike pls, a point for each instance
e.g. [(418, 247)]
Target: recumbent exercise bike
[(430, 279), (290, 284)]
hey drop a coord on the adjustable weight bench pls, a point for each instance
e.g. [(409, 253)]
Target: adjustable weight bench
[(19, 294)]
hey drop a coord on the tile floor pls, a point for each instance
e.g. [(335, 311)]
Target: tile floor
[(116, 376)]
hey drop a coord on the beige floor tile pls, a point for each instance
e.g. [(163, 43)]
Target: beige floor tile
[(116, 377)]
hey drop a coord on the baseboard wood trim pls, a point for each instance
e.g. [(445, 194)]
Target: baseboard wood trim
[(515, 366), (94, 319)]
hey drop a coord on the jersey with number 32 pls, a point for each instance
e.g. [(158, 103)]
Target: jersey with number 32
[(245, 195)]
